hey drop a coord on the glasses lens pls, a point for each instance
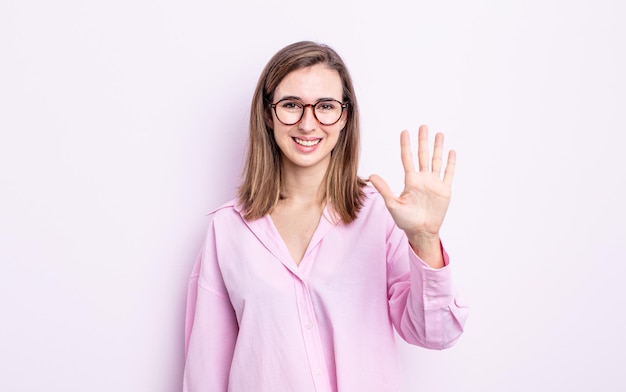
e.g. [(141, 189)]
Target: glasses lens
[(289, 111), (328, 112)]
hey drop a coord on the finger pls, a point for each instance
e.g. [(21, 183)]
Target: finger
[(437, 154), (450, 166), (422, 148), (405, 152), (382, 188)]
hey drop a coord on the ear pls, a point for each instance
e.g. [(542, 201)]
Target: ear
[(343, 121), (269, 119)]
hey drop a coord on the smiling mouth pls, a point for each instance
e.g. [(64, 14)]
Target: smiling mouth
[(307, 143)]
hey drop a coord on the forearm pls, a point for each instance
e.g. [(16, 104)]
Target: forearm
[(427, 248)]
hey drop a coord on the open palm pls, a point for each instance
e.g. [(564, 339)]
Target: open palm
[(421, 207)]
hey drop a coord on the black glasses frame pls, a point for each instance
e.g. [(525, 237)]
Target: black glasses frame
[(312, 105)]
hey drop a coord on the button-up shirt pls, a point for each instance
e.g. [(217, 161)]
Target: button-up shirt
[(257, 321)]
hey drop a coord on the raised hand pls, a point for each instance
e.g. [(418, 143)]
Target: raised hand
[(421, 207)]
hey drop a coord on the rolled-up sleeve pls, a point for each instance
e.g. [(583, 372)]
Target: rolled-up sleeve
[(425, 307)]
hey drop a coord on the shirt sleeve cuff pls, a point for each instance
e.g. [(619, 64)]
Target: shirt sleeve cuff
[(436, 284), (416, 259)]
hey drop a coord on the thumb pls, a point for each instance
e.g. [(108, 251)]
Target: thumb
[(382, 187)]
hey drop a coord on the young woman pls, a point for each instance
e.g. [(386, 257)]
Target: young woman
[(302, 279)]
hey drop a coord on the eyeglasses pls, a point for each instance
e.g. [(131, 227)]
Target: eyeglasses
[(290, 111)]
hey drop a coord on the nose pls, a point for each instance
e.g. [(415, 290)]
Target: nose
[(308, 122)]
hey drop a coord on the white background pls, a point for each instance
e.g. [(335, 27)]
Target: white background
[(122, 123)]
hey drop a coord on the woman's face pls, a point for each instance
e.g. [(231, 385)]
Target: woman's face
[(307, 143)]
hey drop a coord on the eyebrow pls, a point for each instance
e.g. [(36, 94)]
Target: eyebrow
[(301, 100)]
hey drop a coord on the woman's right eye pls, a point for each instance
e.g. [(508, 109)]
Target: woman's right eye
[(291, 105)]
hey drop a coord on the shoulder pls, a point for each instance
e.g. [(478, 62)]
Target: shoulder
[(229, 211), (372, 198), (373, 208), (230, 205)]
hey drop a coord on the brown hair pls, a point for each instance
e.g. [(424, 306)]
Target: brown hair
[(262, 174)]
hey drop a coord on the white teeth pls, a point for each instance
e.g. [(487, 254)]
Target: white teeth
[(307, 143)]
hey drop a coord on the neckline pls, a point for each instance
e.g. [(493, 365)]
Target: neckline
[(302, 269)]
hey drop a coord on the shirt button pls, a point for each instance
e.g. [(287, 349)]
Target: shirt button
[(432, 283), (308, 326), (318, 372)]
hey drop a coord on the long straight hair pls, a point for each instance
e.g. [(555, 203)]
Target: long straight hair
[(261, 188)]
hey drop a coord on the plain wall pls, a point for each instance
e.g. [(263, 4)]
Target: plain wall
[(122, 123)]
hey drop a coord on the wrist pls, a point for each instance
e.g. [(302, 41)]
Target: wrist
[(424, 239), (427, 247)]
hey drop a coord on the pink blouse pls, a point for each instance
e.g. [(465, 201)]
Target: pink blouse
[(256, 321)]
